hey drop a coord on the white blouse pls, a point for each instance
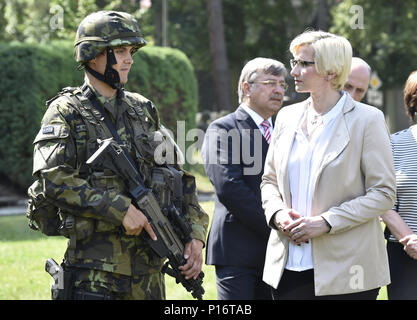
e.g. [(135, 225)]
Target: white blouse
[(304, 161)]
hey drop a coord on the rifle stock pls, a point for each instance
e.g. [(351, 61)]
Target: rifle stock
[(169, 245)]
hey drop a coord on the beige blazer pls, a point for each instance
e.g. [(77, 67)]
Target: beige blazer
[(355, 185)]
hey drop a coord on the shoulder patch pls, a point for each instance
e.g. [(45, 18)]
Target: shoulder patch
[(48, 130), (52, 131)]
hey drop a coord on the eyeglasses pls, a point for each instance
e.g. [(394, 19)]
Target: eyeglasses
[(272, 83), (301, 63)]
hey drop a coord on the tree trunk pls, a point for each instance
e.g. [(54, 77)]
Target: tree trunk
[(157, 22), (323, 15), (219, 55)]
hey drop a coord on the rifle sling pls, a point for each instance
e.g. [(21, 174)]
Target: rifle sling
[(94, 101)]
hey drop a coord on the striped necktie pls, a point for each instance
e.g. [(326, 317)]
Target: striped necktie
[(267, 132)]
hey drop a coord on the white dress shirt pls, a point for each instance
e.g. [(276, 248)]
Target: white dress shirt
[(257, 118), (304, 161)]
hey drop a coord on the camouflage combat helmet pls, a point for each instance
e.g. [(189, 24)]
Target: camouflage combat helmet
[(103, 29)]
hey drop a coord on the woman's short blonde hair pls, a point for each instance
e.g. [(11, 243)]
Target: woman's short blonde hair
[(332, 54)]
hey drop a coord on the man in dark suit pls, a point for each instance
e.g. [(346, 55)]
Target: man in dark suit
[(233, 153)]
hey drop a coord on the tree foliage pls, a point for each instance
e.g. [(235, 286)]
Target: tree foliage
[(34, 20), (387, 40), (252, 28)]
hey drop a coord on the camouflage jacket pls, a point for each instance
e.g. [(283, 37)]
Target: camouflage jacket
[(97, 199)]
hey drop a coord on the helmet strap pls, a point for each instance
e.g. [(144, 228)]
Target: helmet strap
[(111, 76)]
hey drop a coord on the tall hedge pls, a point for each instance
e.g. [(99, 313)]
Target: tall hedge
[(32, 74), (166, 76)]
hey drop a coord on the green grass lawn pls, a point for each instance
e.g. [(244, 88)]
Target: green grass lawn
[(22, 261)]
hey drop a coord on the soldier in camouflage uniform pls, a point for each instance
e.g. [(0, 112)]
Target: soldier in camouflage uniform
[(105, 256)]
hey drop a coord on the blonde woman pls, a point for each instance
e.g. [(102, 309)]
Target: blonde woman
[(328, 177)]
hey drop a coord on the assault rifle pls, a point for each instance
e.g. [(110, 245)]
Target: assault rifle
[(171, 230)]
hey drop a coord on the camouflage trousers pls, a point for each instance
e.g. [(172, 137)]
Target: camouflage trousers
[(90, 284)]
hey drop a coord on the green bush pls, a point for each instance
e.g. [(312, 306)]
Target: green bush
[(166, 76), (32, 74)]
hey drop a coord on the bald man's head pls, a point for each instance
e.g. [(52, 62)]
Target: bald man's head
[(358, 79)]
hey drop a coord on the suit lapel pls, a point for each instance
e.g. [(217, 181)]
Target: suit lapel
[(245, 119), (246, 122)]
